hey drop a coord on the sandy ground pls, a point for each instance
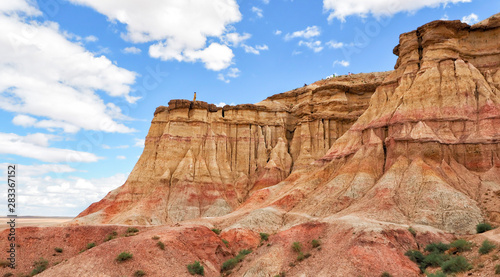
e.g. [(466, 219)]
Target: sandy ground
[(33, 221)]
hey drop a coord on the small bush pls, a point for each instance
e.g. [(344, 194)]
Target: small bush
[(229, 264), (139, 273), (307, 255), (436, 274), (483, 227), (225, 242), (418, 258), (156, 237), (91, 245), (264, 236), (486, 247), (4, 263), (385, 274), (412, 232), (315, 243), (109, 237), (132, 230), (114, 233), (8, 274), (161, 245), (124, 256), (196, 268), (281, 274), (497, 269), (456, 264), (58, 250), (300, 257), (437, 247), (217, 231), (40, 266), (297, 246), (435, 259), (461, 245)]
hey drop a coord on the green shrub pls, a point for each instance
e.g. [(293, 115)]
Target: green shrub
[(281, 274), (486, 247), (418, 258), (196, 268), (124, 256), (231, 263), (300, 257), (139, 273), (40, 266), (156, 237), (497, 269), (58, 249), (109, 237), (8, 274), (483, 227), (132, 230), (161, 245), (91, 245), (315, 243), (437, 247), (385, 274), (217, 231), (436, 274), (461, 245), (435, 259), (264, 236), (412, 232), (307, 255), (456, 264), (225, 242), (297, 246)]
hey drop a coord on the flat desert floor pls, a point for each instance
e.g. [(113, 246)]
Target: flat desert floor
[(34, 221)]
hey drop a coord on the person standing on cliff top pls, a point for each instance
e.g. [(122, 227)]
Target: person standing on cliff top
[(194, 98)]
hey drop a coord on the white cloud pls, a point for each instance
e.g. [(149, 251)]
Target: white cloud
[(28, 121), (234, 39), (139, 142), (232, 73), (309, 32), (342, 9), (42, 169), (45, 195), (342, 63), (470, 19), (91, 38), (265, 1), (335, 44), (178, 29), (104, 146), (43, 74), (255, 50), (278, 32), (36, 146), (24, 120), (131, 50), (15, 6), (313, 45), (121, 157), (257, 12), (445, 17), (221, 104)]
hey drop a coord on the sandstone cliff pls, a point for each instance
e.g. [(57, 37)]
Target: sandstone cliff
[(201, 160)]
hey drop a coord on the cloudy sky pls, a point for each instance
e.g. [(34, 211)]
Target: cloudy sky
[(80, 79)]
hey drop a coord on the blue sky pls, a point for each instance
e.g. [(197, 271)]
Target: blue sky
[(80, 79)]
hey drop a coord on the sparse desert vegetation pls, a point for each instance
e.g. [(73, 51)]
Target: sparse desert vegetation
[(123, 256), (196, 268)]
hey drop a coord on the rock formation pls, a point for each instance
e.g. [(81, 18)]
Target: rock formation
[(201, 160)]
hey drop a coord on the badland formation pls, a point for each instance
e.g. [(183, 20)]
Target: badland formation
[(368, 165)]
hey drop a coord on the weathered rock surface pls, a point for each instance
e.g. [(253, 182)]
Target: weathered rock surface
[(204, 161)]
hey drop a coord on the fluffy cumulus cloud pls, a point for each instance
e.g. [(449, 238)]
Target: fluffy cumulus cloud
[(231, 73), (258, 12), (37, 146), (309, 32), (470, 19), (342, 63), (43, 195), (342, 9), (38, 79), (131, 50), (177, 29), (313, 45)]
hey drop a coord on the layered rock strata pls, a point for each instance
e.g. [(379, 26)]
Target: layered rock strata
[(201, 160)]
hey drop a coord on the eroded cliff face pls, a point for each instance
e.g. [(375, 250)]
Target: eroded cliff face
[(203, 161)]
